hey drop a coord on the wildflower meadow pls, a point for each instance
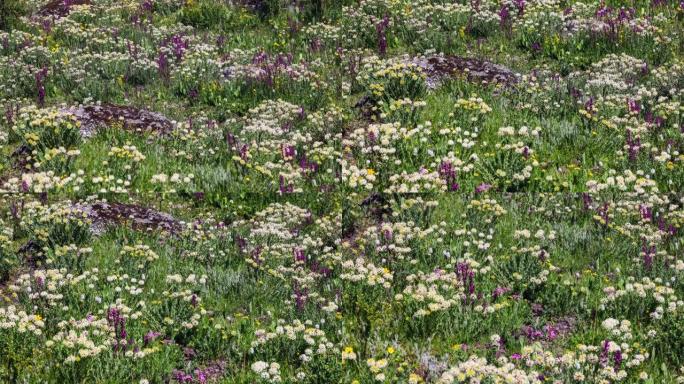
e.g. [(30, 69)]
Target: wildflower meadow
[(341, 191)]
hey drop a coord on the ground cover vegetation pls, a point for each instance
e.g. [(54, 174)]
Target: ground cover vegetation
[(350, 191)]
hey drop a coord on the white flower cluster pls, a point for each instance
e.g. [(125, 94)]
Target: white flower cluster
[(19, 321), (361, 270), (269, 373)]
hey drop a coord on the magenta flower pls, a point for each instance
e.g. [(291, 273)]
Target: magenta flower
[(484, 187)]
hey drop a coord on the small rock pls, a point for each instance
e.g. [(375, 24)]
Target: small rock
[(59, 8), (439, 67), (140, 218), (130, 118)]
